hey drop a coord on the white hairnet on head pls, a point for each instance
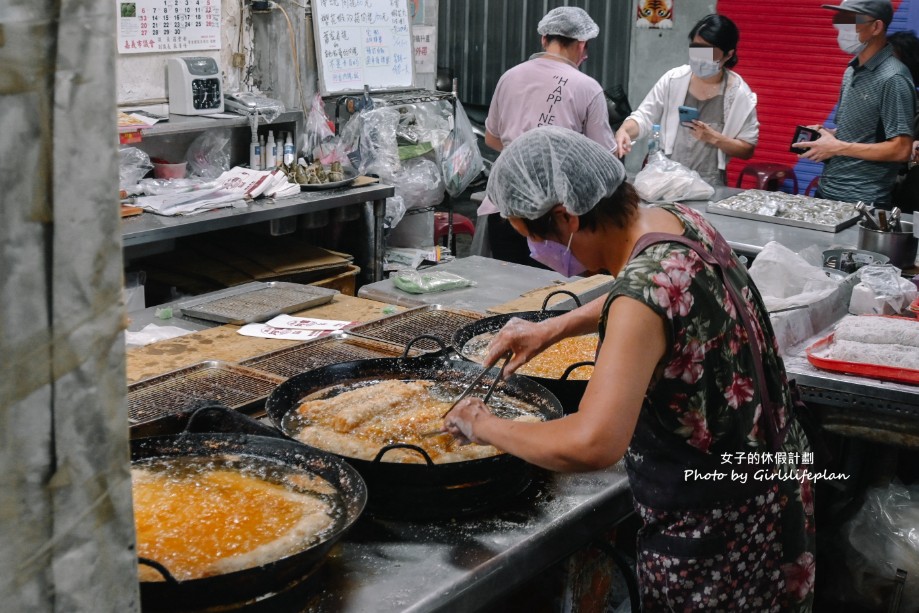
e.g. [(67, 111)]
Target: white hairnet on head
[(569, 21), (549, 166)]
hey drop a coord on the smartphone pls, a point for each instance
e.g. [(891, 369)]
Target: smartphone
[(803, 135), (688, 114)]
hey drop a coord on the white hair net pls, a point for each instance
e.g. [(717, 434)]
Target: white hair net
[(569, 21), (549, 166)]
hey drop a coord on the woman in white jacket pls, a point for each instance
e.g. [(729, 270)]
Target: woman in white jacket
[(727, 125)]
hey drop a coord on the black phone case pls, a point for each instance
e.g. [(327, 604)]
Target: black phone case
[(802, 135)]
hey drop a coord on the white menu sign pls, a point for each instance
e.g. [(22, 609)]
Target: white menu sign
[(153, 26)]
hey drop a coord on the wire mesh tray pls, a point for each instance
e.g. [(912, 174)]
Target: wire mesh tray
[(432, 319), (177, 392), (256, 302), (321, 352), (788, 210)]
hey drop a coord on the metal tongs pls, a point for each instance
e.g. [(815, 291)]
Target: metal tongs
[(491, 388)]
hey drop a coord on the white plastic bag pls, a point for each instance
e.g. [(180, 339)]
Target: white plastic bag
[(664, 180), (785, 279)]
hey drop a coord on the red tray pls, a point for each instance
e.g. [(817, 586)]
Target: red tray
[(875, 371)]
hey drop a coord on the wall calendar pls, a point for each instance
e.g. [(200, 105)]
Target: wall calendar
[(152, 26)]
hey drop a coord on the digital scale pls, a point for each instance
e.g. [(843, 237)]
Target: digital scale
[(194, 85)]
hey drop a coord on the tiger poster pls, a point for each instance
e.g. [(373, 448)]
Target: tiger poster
[(654, 14)]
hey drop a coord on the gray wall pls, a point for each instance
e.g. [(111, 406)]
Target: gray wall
[(482, 39)]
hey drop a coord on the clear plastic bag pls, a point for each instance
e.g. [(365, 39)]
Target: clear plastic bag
[(664, 180), (419, 183), (881, 291), (379, 150), (209, 154), (884, 535), (419, 282), (318, 133), (785, 279), (133, 164), (460, 159), (395, 211)]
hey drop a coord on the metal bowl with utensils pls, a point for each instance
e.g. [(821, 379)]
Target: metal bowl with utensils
[(899, 247), (834, 258)]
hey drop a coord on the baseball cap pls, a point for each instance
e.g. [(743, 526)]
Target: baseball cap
[(879, 9), (569, 21)]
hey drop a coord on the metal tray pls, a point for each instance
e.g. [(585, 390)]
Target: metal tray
[(341, 347), (256, 302), (432, 319), (155, 402), (805, 205)]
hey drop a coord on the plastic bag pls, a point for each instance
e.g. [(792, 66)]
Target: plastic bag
[(133, 164), (882, 291), (395, 211), (785, 279), (159, 187), (419, 183), (379, 150), (317, 132), (269, 108), (885, 536), (664, 180), (415, 282), (209, 154), (460, 159)]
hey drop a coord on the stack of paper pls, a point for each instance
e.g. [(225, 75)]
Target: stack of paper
[(232, 188)]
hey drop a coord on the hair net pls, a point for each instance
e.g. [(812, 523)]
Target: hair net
[(569, 21), (549, 166)]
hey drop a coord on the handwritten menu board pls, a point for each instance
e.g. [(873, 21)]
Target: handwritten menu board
[(152, 26), (363, 42)]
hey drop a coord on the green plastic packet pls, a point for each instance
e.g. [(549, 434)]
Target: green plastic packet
[(416, 282)]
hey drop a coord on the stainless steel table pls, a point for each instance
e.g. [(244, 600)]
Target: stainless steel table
[(856, 406), (149, 228), (465, 564), (496, 282)]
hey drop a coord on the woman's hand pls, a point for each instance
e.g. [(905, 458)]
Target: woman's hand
[(524, 338), (704, 132), (464, 420), (623, 142)]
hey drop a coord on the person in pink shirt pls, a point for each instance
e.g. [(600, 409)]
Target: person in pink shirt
[(546, 90)]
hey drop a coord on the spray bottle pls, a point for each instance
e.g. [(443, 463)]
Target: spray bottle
[(270, 152)]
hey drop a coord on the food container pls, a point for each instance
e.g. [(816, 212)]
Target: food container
[(169, 171), (861, 257), (900, 247)]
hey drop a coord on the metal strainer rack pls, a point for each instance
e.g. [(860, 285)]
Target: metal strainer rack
[(253, 302)]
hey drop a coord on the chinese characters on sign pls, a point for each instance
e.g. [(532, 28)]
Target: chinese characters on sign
[(363, 42), (424, 39), (149, 26)]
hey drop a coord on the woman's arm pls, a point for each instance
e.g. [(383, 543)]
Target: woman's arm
[(597, 435), (493, 141), (732, 147)]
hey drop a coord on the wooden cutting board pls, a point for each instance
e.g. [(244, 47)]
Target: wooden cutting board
[(130, 211), (532, 300)]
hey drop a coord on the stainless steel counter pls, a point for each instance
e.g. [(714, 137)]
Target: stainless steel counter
[(149, 228), (463, 565), (496, 282)]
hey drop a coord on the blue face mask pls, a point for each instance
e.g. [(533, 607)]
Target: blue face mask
[(556, 256)]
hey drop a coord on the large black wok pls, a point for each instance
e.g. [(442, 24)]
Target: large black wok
[(428, 490), (568, 391), (241, 436)]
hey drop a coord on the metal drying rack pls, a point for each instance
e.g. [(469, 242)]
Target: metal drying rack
[(355, 103)]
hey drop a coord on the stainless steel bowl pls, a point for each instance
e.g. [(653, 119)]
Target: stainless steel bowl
[(900, 247)]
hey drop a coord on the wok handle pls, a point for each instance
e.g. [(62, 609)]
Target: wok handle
[(574, 296), (408, 345), (574, 367), (162, 570), (215, 417), (389, 448)]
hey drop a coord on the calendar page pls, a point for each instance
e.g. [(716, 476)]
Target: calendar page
[(152, 26)]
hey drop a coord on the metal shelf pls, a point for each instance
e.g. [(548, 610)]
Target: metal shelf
[(178, 124)]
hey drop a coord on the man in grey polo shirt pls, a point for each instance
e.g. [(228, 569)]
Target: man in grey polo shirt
[(877, 103)]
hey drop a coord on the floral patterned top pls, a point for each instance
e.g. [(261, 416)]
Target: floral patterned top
[(701, 420)]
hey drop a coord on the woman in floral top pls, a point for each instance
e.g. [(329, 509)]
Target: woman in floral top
[(688, 385)]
